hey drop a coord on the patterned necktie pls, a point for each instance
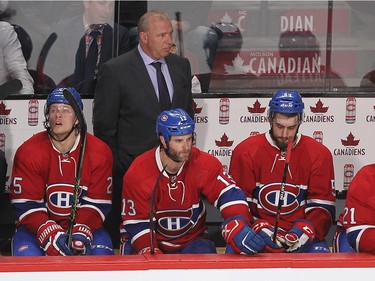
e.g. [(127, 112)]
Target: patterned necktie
[(164, 99), (92, 57)]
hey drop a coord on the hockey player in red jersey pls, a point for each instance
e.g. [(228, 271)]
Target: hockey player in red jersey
[(162, 207), (43, 178), (356, 225), (307, 209)]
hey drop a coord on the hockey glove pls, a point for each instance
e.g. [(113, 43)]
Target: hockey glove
[(299, 238), (81, 239), (53, 240), (126, 247), (241, 237), (265, 230)]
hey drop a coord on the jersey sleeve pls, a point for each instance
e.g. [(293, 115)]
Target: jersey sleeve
[(136, 197), (222, 191), (95, 202), (27, 189), (358, 217), (321, 197)]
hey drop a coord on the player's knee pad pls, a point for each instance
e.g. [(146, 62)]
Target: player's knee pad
[(102, 243), (24, 243)]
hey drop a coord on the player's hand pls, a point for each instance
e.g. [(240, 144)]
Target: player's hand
[(299, 238), (53, 239), (265, 230), (241, 237), (81, 239)]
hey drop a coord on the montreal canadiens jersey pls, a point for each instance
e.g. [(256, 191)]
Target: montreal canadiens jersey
[(178, 208), (257, 165), (358, 217), (43, 181)]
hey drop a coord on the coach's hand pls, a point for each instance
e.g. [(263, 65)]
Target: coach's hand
[(241, 237), (53, 239)]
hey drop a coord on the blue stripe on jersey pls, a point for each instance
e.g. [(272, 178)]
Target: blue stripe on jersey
[(102, 206), (26, 207), (353, 237), (230, 195), (328, 206), (136, 226)]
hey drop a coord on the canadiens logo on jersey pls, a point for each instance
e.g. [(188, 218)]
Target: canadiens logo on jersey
[(269, 197), (60, 198), (175, 223)]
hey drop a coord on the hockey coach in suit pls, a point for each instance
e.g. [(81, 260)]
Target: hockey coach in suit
[(128, 99)]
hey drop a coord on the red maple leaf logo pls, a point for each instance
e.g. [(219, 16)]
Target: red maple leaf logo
[(256, 108), (350, 141), (319, 108), (197, 109), (224, 142), (3, 110)]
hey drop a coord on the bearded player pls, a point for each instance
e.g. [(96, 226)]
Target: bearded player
[(180, 175), (356, 224), (257, 165), (43, 178)]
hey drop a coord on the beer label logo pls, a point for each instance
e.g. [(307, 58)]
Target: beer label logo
[(319, 115), (348, 175), (256, 111), (197, 117), (350, 149), (318, 136), (4, 116), (224, 105), (350, 114), (223, 147), (33, 118)]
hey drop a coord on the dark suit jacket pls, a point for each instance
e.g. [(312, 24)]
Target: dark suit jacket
[(126, 106), (109, 49), (61, 59)]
